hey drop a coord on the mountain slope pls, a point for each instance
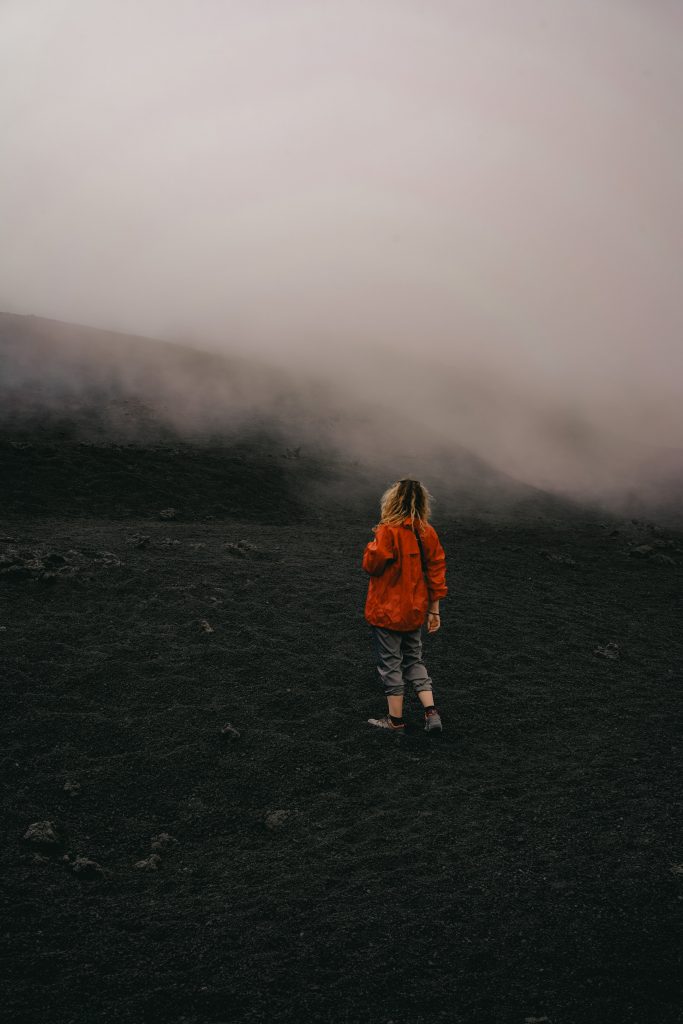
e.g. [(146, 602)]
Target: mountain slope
[(91, 419)]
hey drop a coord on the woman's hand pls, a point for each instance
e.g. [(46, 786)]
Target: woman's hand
[(433, 617)]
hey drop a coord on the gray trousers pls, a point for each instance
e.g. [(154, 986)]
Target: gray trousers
[(399, 660)]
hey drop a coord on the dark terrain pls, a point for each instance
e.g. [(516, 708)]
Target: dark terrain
[(526, 867)]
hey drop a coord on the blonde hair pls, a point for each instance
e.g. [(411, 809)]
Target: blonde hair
[(405, 498)]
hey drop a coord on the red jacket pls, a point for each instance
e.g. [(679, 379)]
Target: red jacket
[(398, 595)]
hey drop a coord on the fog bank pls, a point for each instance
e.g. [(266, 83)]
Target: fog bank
[(470, 212)]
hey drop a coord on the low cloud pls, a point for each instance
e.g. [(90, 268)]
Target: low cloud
[(468, 215)]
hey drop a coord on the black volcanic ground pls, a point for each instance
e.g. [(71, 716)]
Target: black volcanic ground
[(159, 579)]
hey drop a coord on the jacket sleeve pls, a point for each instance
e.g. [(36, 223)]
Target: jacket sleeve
[(379, 552), (436, 566)]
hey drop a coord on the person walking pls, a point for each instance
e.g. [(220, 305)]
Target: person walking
[(407, 568)]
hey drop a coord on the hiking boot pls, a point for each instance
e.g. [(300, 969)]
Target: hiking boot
[(433, 722), (386, 723)]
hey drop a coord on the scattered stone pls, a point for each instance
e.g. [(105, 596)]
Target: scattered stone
[(205, 626), (537, 1020), (108, 558), (676, 869), (150, 863), (39, 858), (276, 819), (642, 551), (18, 565), (140, 540), (243, 549), (86, 868), (661, 559), (163, 841), (167, 542), (72, 788), (560, 559), (229, 732), (610, 651), (43, 833), (168, 513)]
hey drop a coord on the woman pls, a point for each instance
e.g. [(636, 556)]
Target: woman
[(407, 568)]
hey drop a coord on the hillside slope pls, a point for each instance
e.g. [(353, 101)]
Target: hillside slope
[(164, 573), (124, 425)]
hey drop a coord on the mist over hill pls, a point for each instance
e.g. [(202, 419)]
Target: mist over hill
[(76, 385), (92, 389)]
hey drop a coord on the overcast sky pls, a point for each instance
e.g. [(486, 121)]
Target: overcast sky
[(473, 190)]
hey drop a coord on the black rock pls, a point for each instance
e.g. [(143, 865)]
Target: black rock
[(229, 732), (43, 833), (83, 867)]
